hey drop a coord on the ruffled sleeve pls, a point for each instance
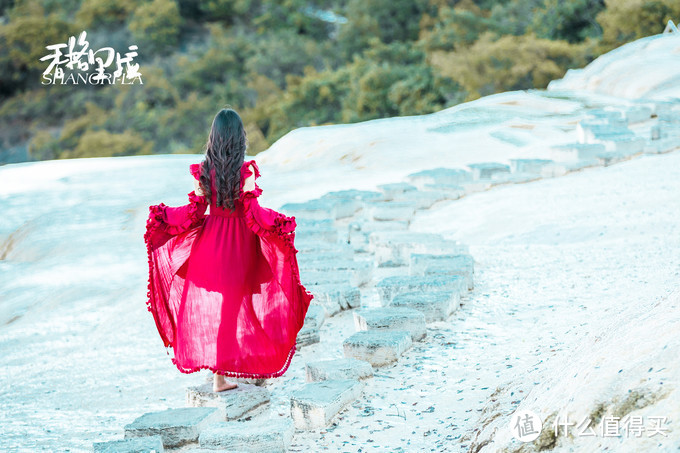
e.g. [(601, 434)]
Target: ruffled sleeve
[(170, 232), (195, 170), (245, 174)]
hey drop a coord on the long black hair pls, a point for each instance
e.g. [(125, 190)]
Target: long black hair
[(225, 152)]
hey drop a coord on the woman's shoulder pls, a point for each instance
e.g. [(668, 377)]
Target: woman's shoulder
[(195, 170), (249, 168)]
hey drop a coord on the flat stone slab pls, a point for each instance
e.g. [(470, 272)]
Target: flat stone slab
[(308, 247), (391, 286), (626, 146), (662, 145), (423, 199), (588, 131), (323, 208), (354, 194), (529, 165), (513, 178), (334, 369), (315, 404), (321, 230), (637, 114), (321, 277), (435, 306), (396, 247), (392, 210), (440, 176), (232, 404), (453, 191), (272, 435), (484, 170), (391, 318), (314, 319), (377, 347), (390, 190), (476, 186), (571, 152), (460, 264), (335, 298), (135, 445), (177, 427), (360, 271)]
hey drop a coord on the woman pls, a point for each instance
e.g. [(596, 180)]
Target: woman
[(224, 288)]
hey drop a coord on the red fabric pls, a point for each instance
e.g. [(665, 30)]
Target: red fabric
[(224, 289)]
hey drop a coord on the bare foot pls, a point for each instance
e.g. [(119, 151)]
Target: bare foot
[(220, 384)]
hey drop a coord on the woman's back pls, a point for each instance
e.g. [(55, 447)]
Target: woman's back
[(234, 302)]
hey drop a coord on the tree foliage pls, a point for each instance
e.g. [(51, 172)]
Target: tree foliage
[(288, 63)]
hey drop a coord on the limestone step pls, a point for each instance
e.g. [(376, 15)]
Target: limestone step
[(377, 347), (396, 247), (514, 178), (308, 248), (321, 230), (232, 404), (391, 210), (529, 165), (391, 318), (316, 403), (485, 170), (391, 286), (436, 306), (314, 319), (335, 297), (572, 152), (322, 208), (311, 260), (333, 369), (260, 435), (319, 277), (459, 264), (360, 231), (354, 194), (422, 199), (136, 445), (479, 185), (453, 191), (393, 189), (176, 426), (359, 271), (440, 176)]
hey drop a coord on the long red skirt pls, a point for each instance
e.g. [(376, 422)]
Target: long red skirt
[(224, 289)]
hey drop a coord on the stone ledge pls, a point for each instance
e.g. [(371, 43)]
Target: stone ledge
[(232, 404), (272, 435), (333, 369), (377, 347), (177, 427), (315, 404)]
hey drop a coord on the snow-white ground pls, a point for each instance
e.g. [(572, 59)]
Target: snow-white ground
[(571, 275)]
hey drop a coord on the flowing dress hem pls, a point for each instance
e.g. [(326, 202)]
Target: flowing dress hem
[(238, 374)]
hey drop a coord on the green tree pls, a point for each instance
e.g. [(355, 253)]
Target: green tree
[(456, 27), (156, 26), (626, 20), (572, 21), (22, 43), (387, 20), (104, 13), (509, 63)]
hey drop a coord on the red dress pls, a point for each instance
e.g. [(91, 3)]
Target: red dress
[(224, 289)]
